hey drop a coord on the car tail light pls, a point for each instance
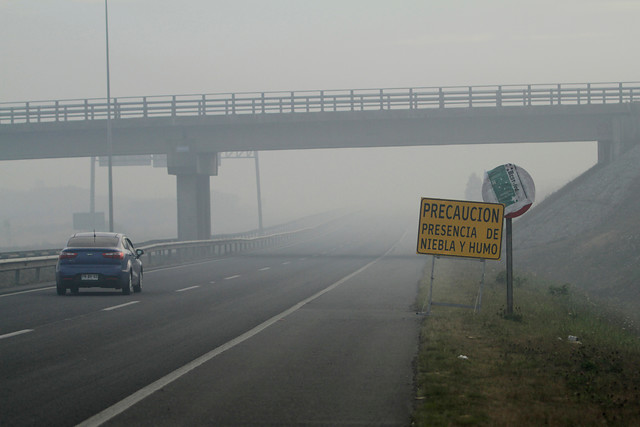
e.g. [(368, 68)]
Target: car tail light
[(113, 255), (67, 255)]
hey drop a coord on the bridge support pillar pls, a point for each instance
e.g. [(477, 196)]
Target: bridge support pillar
[(625, 133), (193, 171), (605, 152)]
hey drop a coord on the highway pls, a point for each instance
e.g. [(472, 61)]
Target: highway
[(320, 331)]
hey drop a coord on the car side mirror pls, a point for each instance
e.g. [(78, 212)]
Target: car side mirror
[(139, 252)]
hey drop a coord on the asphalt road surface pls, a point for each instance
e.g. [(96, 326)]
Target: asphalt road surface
[(319, 331)]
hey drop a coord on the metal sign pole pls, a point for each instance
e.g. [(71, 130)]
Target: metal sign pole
[(509, 267), (479, 298), (427, 300), (433, 265)]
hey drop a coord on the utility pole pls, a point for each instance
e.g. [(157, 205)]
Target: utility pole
[(109, 136)]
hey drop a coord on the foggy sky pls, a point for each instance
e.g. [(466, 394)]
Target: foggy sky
[(55, 49)]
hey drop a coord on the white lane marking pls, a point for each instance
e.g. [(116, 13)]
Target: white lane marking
[(232, 277), (13, 334), (188, 289), (286, 262), (211, 282), (265, 269), (187, 265), (126, 403), (115, 307), (26, 292)]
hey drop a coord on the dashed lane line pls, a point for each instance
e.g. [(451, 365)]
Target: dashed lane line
[(188, 289), (115, 307), (232, 277)]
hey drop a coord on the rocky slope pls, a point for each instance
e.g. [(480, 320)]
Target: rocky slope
[(588, 233)]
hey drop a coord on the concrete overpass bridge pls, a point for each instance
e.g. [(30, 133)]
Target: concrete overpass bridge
[(192, 129)]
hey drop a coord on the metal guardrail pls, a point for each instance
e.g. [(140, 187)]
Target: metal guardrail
[(155, 254), (320, 101)]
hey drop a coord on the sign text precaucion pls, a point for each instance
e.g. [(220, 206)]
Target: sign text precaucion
[(460, 228)]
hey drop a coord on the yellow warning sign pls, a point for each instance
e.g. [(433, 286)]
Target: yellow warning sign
[(459, 228)]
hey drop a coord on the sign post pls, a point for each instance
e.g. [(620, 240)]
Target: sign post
[(514, 188)]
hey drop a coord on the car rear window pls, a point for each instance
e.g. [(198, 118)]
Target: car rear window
[(92, 242)]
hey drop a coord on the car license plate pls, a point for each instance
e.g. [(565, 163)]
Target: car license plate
[(89, 277)]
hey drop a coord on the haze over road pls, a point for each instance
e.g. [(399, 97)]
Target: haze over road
[(326, 325)]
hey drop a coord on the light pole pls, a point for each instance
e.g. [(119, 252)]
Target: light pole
[(109, 137)]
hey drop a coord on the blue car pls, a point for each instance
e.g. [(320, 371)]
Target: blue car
[(99, 260)]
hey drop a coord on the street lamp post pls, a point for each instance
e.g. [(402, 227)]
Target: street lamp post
[(109, 136)]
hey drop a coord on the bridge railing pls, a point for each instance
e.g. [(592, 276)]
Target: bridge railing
[(319, 101)]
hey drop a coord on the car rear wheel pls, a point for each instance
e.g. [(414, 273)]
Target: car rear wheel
[(126, 287), (61, 290), (138, 287)]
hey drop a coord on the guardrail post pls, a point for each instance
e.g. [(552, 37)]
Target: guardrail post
[(499, 97), (293, 105), (441, 97), (470, 96), (381, 100), (233, 103), (145, 111), (321, 100), (203, 106), (27, 112), (529, 91), (86, 109), (351, 97), (262, 96), (173, 106), (588, 93), (57, 113), (16, 277), (411, 98)]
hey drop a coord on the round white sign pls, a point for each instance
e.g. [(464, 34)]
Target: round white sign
[(510, 185)]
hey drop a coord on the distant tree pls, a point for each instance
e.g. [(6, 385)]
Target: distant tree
[(474, 188)]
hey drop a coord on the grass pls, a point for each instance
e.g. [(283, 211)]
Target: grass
[(490, 369)]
